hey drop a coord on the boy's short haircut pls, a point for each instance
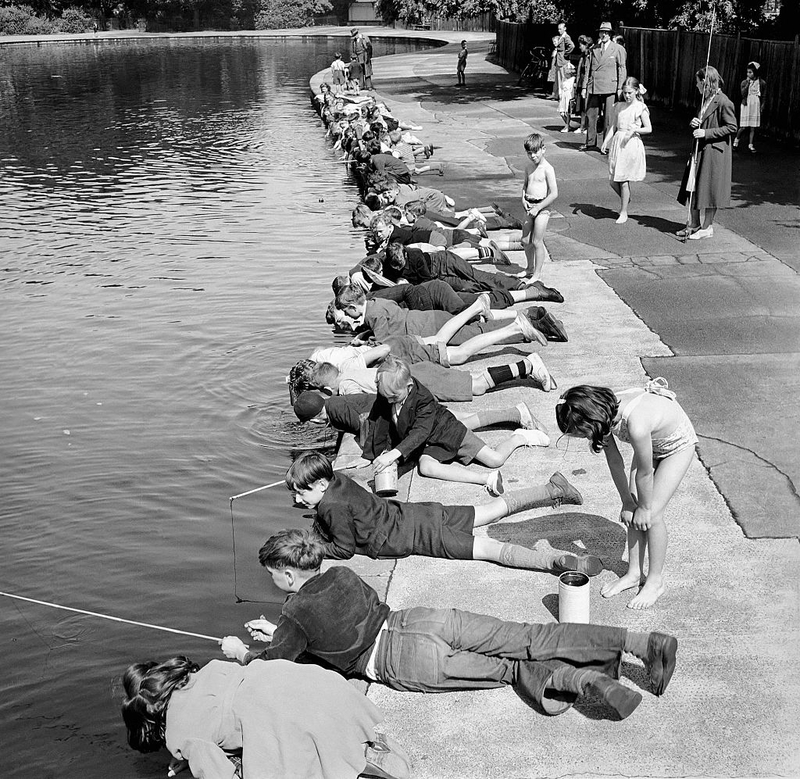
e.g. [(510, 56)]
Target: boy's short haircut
[(393, 212), (351, 295), (373, 262), (393, 374), (301, 549), (372, 200), (308, 468), (396, 256), (380, 220), (361, 213), (395, 136), (463, 42), (323, 375), (309, 404), (534, 142), (416, 207)]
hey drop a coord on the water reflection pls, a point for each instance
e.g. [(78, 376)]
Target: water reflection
[(170, 220)]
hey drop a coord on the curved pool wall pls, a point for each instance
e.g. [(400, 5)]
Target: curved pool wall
[(170, 222)]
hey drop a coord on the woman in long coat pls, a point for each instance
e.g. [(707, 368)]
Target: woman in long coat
[(713, 129)]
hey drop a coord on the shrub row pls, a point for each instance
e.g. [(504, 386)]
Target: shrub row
[(22, 20)]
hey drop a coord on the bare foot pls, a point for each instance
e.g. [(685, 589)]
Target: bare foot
[(484, 301), (627, 582), (648, 595), (622, 218)]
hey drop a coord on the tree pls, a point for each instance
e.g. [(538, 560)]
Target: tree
[(278, 14)]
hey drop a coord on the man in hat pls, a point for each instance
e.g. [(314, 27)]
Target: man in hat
[(607, 74), (361, 52)]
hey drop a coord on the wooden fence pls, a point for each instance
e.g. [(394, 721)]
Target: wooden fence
[(665, 61)]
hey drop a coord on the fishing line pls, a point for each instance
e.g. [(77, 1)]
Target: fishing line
[(696, 150), (109, 617)]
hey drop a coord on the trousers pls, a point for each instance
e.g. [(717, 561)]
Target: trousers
[(594, 104), (436, 650)]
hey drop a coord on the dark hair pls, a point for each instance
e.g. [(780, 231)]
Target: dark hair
[(586, 40), (299, 378), (589, 412), (755, 68), (396, 256), (300, 549), (148, 688), (373, 262), (372, 201), (308, 468), (534, 142)]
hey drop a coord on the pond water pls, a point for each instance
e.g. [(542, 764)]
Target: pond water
[(170, 219)]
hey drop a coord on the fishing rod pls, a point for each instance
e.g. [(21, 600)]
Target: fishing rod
[(108, 616), (692, 180)]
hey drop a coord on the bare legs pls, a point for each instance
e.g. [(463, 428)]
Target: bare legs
[(623, 190), (668, 475), (533, 239), (458, 355)]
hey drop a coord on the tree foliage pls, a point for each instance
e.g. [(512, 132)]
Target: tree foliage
[(278, 14)]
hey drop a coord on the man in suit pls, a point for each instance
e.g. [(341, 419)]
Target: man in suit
[(361, 52), (607, 74)]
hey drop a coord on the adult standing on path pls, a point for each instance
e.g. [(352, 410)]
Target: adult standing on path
[(361, 51), (713, 130), (607, 74), (564, 47)]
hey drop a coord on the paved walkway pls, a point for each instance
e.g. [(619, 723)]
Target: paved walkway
[(733, 602)]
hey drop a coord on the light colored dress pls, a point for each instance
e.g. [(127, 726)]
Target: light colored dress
[(289, 720), (627, 163), (751, 110), (565, 94)]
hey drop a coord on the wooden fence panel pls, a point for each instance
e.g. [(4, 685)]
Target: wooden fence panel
[(665, 61)]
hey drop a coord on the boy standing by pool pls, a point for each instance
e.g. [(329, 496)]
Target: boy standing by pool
[(539, 190), (462, 65)]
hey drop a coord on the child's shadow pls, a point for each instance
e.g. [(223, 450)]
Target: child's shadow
[(593, 211), (597, 535), (667, 226)]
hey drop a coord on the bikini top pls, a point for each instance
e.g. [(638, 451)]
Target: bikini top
[(657, 386)]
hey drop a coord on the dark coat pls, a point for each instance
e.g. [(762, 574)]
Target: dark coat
[(714, 158), (422, 422)]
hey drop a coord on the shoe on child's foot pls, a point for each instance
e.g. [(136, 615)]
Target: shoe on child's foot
[(752, 149), (486, 306), (499, 256), (527, 419), (563, 492), (565, 130), (533, 437), (529, 331), (537, 370), (494, 483)]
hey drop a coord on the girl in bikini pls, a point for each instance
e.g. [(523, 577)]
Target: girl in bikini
[(663, 441)]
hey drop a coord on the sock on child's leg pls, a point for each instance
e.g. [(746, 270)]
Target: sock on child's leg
[(568, 679), (636, 644), (528, 498), (502, 373), (516, 556)]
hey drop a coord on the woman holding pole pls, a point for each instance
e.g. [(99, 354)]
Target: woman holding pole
[(706, 184)]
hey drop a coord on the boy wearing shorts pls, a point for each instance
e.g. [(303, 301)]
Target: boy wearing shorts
[(539, 190)]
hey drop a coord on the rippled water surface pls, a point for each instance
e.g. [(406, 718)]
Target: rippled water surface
[(170, 220)]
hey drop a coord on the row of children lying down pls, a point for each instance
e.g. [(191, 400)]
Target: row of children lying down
[(418, 308), (260, 719)]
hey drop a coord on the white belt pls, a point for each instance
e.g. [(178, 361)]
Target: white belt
[(369, 672)]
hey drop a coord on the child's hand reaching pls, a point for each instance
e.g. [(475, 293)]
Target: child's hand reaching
[(261, 629), (384, 460), (626, 517)]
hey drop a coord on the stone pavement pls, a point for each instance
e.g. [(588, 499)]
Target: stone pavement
[(732, 601)]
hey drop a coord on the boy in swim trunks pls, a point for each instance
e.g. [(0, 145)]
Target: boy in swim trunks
[(539, 190)]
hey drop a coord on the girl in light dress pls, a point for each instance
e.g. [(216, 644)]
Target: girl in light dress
[(566, 92), (626, 161), (753, 89), (663, 440)]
